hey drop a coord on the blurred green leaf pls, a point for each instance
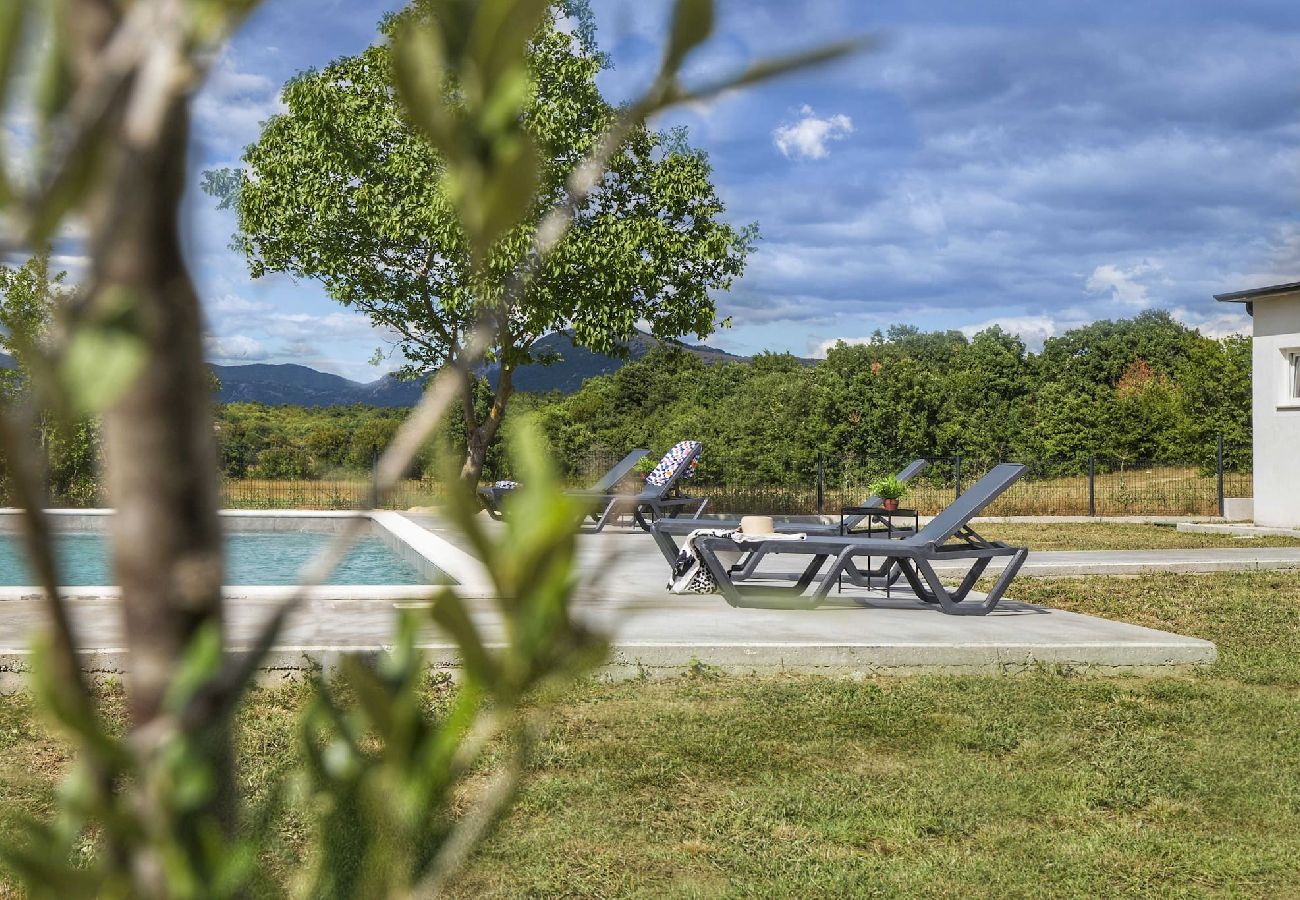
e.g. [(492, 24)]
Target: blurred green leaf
[(692, 24), (501, 31), (507, 195), (104, 355), (373, 694), (54, 87), (449, 612), (12, 21), (418, 66), (65, 703), (202, 660), (13, 16)]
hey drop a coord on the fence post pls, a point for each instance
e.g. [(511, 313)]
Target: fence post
[(1092, 485), (820, 494), (957, 475), (1220, 471), (374, 476)]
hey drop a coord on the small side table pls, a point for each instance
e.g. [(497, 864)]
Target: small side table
[(885, 517)]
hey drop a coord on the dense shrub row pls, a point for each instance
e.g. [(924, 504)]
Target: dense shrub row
[(1146, 388)]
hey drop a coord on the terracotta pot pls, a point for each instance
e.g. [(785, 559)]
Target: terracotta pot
[(891, 504)]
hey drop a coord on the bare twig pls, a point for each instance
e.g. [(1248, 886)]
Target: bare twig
[(393, 464), (68, 680), (396, 459), (26, 475), (451, 379)]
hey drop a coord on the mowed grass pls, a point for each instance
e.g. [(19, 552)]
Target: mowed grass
[(1041, 785), (1118, 536)]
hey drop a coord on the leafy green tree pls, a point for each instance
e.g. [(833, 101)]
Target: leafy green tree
[(1215, 394), (283, 462), (1142, 416), (369, 441), (328, 445), (343, 188), (1100, 353), (28, 296)]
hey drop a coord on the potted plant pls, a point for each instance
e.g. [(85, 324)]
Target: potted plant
[(889, 490)]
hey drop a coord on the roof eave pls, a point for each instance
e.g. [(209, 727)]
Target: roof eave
[(1261, 293)]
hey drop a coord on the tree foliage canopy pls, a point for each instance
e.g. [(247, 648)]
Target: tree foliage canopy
[(343, 188), (905, 393), (1146, 388)]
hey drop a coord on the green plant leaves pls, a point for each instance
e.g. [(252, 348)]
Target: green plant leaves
[(462, 72), (13, 15), (692, 23), (104, 355)]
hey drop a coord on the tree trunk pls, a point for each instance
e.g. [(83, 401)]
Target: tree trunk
[(479, 435), (160, 459)]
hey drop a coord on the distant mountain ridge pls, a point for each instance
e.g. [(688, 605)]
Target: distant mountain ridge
[(295, 385)]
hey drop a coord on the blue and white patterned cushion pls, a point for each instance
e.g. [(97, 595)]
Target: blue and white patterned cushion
[(505, 485), (672, 461)]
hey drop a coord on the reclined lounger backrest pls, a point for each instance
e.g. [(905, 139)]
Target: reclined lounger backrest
[(677, 464), (914, 468), (616, 474), (970, 504)]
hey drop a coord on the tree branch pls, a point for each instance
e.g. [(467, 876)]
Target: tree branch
[(25, 473), (393, 464)]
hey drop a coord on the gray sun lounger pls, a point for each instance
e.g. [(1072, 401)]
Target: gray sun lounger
[(492, 495), (948, 536), (661, 502), (666, 529)]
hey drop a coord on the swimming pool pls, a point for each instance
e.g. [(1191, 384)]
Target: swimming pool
[(252, 558)]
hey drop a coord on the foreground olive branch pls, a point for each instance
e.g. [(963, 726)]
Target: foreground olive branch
[(113, 104)]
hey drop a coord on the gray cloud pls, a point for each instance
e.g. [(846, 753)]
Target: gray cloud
[(1106, 171)]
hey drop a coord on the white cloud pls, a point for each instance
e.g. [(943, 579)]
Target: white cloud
[(1121, 284), (1033, 330), (235, 304), (809, 135), (819, 349), (233, 104), (307, 326), (236, 347), (1218, 325)]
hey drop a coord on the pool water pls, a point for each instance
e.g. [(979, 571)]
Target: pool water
[(251, 558)]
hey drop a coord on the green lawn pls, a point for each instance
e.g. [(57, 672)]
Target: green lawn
[(1115, 536), (1040, 785)]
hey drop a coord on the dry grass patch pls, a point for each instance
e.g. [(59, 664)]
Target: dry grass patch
[(1117, 536)]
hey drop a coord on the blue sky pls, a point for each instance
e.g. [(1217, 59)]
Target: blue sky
[(1036, 165)]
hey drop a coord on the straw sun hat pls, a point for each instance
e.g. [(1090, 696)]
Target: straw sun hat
[(757, 525)]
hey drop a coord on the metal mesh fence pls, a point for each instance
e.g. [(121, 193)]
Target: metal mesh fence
[(817, 484), (1102, 488)]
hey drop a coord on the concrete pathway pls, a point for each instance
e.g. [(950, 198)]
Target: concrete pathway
[(656, 631), (670, 633)]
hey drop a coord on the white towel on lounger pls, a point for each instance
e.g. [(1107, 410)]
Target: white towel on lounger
[(691, 576)]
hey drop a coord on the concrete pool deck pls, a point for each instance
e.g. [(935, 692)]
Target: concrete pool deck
[(657, 632)]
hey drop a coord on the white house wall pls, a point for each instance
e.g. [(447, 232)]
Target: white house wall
[(1277, 421)]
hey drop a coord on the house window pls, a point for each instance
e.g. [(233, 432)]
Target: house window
[(1292, 383)]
